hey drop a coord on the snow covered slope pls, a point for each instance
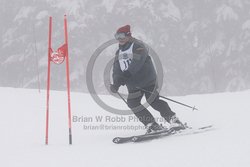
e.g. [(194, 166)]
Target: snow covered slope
[(23, 129)]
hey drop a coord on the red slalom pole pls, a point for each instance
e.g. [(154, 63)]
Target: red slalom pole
[(48, 83), (68, 79)]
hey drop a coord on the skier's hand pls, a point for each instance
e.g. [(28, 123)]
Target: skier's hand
[(114, 88)]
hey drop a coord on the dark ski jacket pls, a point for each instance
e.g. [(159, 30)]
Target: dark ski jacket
[(140, 72)]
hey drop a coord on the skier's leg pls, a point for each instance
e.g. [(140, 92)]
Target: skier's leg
[(163, 107), (134, 103), (158, 104)]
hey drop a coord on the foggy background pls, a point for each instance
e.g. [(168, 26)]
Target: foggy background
[(204, 45)]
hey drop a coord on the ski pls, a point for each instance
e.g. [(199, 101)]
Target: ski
[(120, 140), (172, 132), (160, 134), (137, 138)]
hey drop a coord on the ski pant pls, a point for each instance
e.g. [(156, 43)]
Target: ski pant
[(134, 103)]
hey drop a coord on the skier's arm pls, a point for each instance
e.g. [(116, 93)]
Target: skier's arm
[(140, 54), (117, 75)]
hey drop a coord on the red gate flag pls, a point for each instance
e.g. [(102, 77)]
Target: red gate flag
[(58, 57), (63, 50)]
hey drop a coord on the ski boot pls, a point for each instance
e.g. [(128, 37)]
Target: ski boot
[(153, 127), (175, 123)]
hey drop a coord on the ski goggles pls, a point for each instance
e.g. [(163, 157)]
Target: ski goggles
[(120, 36)]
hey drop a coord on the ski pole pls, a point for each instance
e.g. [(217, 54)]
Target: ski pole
[(168, 99), (122, 98)]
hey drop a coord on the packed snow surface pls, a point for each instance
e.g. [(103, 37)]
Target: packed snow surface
[(22, 130)]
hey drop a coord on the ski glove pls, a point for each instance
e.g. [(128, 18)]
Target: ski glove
[(114, 88)]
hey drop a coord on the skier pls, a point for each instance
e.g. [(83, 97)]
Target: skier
[(133, 67)]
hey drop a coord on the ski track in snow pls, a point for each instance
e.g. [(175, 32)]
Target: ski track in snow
[(23, 133)]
